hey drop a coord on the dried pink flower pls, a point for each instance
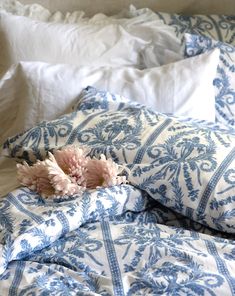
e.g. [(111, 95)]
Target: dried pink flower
[(103, 172), (72, 160), (69, 171), (36, 178), (61, 182)]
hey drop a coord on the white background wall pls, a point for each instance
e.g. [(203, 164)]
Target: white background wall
[(112, 6)]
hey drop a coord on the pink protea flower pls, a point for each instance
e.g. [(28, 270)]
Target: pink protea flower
[(103, 173), (62, 183), (72, 160), (36, 178)]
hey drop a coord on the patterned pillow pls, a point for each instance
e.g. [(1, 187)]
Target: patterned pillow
[(225, 79), (186, 168), (218, 27)]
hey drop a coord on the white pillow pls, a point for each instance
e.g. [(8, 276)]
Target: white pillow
[(32, 92), (23, 39)]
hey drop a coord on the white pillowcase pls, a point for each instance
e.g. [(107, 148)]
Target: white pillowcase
[(32, 92), (23, 39)]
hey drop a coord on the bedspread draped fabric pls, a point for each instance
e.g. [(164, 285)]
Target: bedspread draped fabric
[(127, 239)]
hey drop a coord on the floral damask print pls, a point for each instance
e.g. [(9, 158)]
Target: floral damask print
[(218, 27), (43, 133)]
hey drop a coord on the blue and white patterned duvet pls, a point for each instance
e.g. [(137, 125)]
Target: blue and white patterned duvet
[(130, 239), (115, 241)]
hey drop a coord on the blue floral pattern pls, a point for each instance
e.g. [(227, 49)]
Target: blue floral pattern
[(218, 27), (169, 231), (87, 247), (224, 81)]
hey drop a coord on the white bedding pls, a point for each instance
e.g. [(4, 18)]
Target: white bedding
[(102, 44)]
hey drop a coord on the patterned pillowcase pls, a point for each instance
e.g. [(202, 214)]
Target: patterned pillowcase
[(218, 27), (225, 79), (187, 168)]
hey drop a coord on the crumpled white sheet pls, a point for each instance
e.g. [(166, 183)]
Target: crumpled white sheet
[(125, 44)]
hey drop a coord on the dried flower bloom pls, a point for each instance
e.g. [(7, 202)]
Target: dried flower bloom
[(103, 172), (72, 160), (69, 171), (62, 183), (35, 177)]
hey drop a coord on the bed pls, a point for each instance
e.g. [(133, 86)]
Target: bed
[(117, 166)]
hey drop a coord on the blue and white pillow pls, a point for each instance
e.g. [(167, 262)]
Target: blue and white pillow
[(185, 167), (218, 27), (225, 79)]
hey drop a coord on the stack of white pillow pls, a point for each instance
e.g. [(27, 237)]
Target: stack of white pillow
[(45, 64)]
